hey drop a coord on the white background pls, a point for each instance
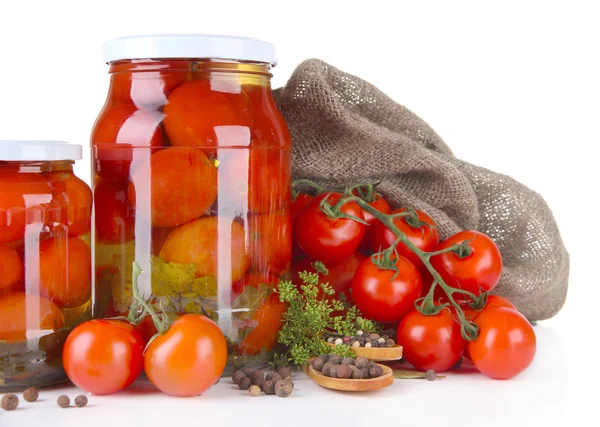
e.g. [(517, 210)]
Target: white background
[(510, 85)]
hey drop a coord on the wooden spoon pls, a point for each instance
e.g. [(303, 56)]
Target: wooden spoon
[(385, 380)]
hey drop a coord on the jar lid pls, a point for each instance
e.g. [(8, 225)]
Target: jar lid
[(189, 46), (35, 151)]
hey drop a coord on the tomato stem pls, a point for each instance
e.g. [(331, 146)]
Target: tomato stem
[(299, 184), (161, 322)]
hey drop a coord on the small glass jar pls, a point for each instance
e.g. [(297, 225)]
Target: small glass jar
[(192, 169), (45, 259)]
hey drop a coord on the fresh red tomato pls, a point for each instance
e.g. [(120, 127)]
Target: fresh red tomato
[(103, 356), (425, 237), (271, 242), (300, 203), (431, 342), (177, 184), (479, 270), (382, 206), (65, 271), (492, 301), (330, 241), (381, 297), (114, 220), (506, 343), (252, 279), (21, 312), (187, 359), (267, 320), (11, 268)]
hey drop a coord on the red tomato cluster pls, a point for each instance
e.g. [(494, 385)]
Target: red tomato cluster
[(352, 250)]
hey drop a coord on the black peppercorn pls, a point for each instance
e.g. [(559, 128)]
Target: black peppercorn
[(343, 371), (63, 401), (285, 371), (375, 372), (10, 402), (430, 375), (81, 401), (347, 361), (258, 379), (374, 344), (326, 370), (244, 383), (237, 376), (274, 376), (361, 362), (283, 388), (317, 364), (334, 359), (269, 387), (31, 394)]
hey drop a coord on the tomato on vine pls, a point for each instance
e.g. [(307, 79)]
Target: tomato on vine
[(300, 203), (330, 240), (506, 344), (474, 269)]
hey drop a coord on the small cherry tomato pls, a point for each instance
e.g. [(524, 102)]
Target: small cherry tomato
[(103, 356), (189, 358), (431, 342), (65, 271), (198, 242), (382, 206), (425, 237), (271, 242), (11, 268), (382, 297), (266, 322), (21, 312), (177, 184), (114, 219), (506, 343), (208, 113), (480, 269), (330, 241)]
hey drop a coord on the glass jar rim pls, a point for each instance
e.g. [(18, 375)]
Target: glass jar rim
[(39, 150), (180, 46)]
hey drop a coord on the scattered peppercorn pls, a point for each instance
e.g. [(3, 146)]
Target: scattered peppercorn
[(258, 378), (344, 371), (283, 388), (247, 371), (326, 370), (63, 401), (347, 361), (334, 359), (374, 343), (10, 402), (285, 371), (254, 391), (244, 383), (430, 375), (361, 362), (273, 376), (375, 371), (269, 387), (237, 376), (31, 394), (317, 364), (81, 401), (339, 341)]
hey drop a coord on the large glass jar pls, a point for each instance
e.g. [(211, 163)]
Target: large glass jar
[(45, 259), (192, 168)]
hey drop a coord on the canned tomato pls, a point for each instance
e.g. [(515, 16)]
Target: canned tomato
[(192, 169), (45, 259)]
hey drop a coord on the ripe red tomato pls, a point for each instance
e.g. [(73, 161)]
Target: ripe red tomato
[(189, 358), (330, 241), (103, 356), (65, 271), (506, 343), (382, 298), (182, 187), (431, 342), (479, 270), (271, 242), (300, 203), (21, 312), (492, 301), (114, 220), (382, 206), (11, 268), (425, 237)]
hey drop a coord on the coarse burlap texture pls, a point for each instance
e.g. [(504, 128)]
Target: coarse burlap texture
[(345, 131)]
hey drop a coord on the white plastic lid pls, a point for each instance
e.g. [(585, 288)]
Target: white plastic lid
[(39, 151), (203, 46)]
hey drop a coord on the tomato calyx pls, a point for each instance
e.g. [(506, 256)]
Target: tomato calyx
[(299, 184), (387, 260), (366, 191), (335, 211)]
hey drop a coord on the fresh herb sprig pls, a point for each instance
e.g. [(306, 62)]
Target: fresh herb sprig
[(309, 316)]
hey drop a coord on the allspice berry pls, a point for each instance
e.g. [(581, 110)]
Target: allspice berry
[(81, 401), (375, 371), (327, 369), (247, 371), (269, 387), (333, 371), (347, 361), (361, 362), (244, 383), (365, 373), (254, 391), (258, 378), (283, 388), (273, 376), (31, 394), (10, 402), (334, 359), (343, 371), (317, 364), (285, 371), (325, 357), (357, 374), (237, 376), (430, 375), (63, 401)]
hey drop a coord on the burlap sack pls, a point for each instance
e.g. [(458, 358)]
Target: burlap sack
[(345, 131)]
